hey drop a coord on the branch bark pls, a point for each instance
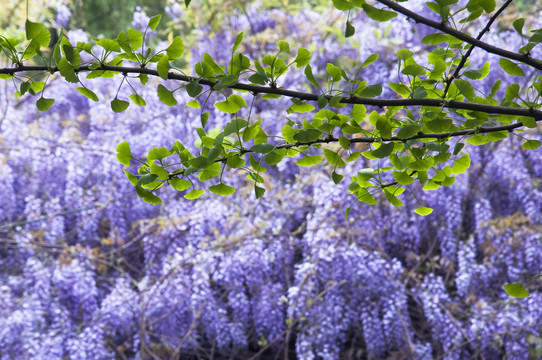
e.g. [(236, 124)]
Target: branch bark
[(257, 89), (524, 58)]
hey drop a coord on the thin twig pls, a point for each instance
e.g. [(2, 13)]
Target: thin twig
[(524, 58), (465, 56)]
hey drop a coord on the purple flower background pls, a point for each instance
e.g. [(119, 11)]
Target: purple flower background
[(89, 271)]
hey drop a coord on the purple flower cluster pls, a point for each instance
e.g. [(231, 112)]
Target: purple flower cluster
[(89, 271)]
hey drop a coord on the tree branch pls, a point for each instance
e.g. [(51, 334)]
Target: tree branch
[(450, 104), (464, 58), (524, 58)]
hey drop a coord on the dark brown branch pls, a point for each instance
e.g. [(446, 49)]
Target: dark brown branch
[(464, 58), (524, 58), (450, 104)]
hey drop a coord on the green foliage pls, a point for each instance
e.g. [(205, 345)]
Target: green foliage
[(516, 290)]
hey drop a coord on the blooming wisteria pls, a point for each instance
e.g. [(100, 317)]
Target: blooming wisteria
[(90, 271)]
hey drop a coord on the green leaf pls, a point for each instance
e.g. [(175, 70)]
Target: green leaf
[(288, 133), (487, 5), (347, 212), (439, 124), (333, 158), (255, 177), (144, 78), (159, 171), (334, 72), (435, 39), (124, 154), (421, 164), (511, 92), (87, 92), (419, 93), (118, 105), (423, 211), (255, 165), (516, 290), (146, 179), (308, 135), (465, 88), (166, 96), (44, 104), (511, 68), (158, 153), (135, 38), (473, 74), (175, 50), (309, 160), (518, 25), (273, 158), (234, 126), (531, 144), (37, 86), (259, 191), (108, 45), (378, 14), (199, 162), (232, 104), (194, 89), (392, 198), (194, 105), (322, 101), (259, 78), (404, 54), (33, 29), (408, 131), (138, 100), (400, 89), (222, 189), (283, 46), (371, 91), (350, 30), (337, 178), (384, 150), (180, 184), (458, 147), (194, 194), (310, 76), (237, 42), (148, 196), (262, 148), (365, 196), (235, 162), (132, 178), (71, 54), (299, 107), (154, 21), (303, 57), (163, 67), (67, 70), (403, 178), (461, 165), (343, 5), (344, 142), (413, 70), (208, 61), (371, 59)]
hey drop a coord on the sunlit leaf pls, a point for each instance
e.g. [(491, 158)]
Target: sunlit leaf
[(516, 290)]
